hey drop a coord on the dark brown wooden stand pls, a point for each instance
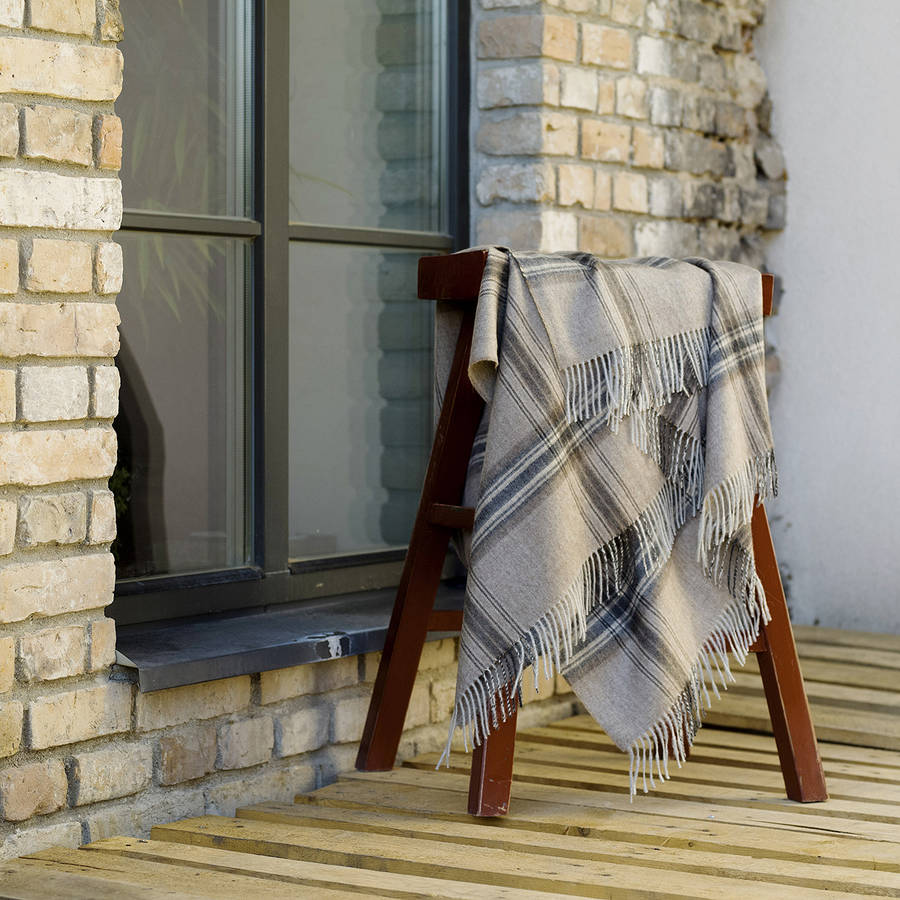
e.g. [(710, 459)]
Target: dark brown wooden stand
[(458, 278)]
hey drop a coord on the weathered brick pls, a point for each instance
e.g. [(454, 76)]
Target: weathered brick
[(34, 199), (12, 13), (67, 16), (58, 134), (37, 329), (349, 716), (648, 149), (631, 98), (111, 28), (97, 329), (101, 517), (748, 81), (602, 191), (7, 526), (102, 651), (754, 206), (628, 12), (302, 731), (530, 84), (11, 717), (108, 142), (666, 195), (9, 129), (606, 96), (32, 789), (246, 743), (605, 46), (630, 192), (9, 266), (530, 133), (702, 200), (207, 700), (509, 37), (576, 186), (24, 842), (443, 698), (578, 88), (699, 113), (559, 231), (58, 69), (666, 105), (605, 236), (769, 157), (437, 654), (105, 392), (517, 182), (62, 267), (265, 785), (111, 772), (49, 393), (661, 15), (665, 238), (134, 815), (72, 584), (109, 268), (605, 141), (52, 653), (79, 715), (45, 457), (731, 120), (419, 710), (188, 754), (7, 663)]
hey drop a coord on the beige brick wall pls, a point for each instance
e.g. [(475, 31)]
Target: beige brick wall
[(623, 128)]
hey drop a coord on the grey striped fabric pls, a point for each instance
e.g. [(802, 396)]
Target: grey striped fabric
[(625, 436)]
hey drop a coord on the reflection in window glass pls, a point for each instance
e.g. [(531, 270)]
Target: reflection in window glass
[(186, 106), (367, 113), (360, 407), (179, 480)]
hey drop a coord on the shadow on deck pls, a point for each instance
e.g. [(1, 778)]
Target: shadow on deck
[(720, 828)]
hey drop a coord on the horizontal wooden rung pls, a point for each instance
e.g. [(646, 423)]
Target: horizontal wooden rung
[(449, 516)]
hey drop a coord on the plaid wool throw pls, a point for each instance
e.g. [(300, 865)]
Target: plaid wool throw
[(625, 436)]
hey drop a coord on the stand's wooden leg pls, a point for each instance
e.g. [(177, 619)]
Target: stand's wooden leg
[(490, 782), (779, 666), (444, 482)]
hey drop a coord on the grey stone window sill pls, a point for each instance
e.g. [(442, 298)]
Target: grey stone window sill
[(187, 651)]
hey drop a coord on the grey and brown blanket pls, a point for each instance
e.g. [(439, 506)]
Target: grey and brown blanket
[(625, 438)]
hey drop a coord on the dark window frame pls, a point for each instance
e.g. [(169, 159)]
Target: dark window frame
[(273, 578)]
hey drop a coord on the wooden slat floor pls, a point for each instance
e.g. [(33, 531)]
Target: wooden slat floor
[(720, 828)]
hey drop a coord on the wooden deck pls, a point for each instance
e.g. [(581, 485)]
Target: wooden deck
[(719, 829)]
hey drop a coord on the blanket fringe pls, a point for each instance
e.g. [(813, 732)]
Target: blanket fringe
[(636, 378)]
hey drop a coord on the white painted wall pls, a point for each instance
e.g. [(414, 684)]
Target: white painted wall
[(834, 78)]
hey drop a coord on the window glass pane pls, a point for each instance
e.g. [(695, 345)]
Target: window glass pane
[(179, 481), (360, 398), (367, 111), (186, 106)]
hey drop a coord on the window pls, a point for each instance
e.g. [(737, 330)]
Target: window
[(286, 165)]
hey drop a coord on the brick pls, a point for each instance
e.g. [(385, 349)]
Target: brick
[(777, 214), (530, 133), (67, 16), (109, 268), (631, 98), (605, 141), (62, 267), (606, 96), (302, 731), (12, 12), (655, 56), (112, 772), (33, 789), (9, 129), (630, 192), (52, 653), (102, 652), (522, 228), (160, 709), (748, 81), (111, 28), (699, 113), (702, 200), (627, 12), (58, 69), (559, 231), (7, 663), (419, 710), (50, 393), (754, 206), (9, 266), (578, 88), (35, 199), (661, 15), (666, 238), (187, 755), (443, 698), (648, 149), (698, 22), (602, 191), (348, 717), (7, 526), (25, 842), (437, 654), (263, 786), (509, 37), (531, 84), (79, 715), (105, 392), (37, 329), (136, 815), (71, 584), (45, 457), (666, 105), (11, 717), (280, 684), (96, 329), (7, 395), (108, 142), (560, 38), (576, 5), (605, 46), (57, 134), (769, 157), (246, 743), (516, 182), (608, 237), (576, 186), (731, 120), (666, 196), (101, 517)]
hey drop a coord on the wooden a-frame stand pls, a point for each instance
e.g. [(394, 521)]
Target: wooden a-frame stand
[(458, 278)]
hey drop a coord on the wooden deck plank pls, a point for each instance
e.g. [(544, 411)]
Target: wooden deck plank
[(882, 659), (834, 672), (472, 834), (481, 865), (364, 882), (871, 639)]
